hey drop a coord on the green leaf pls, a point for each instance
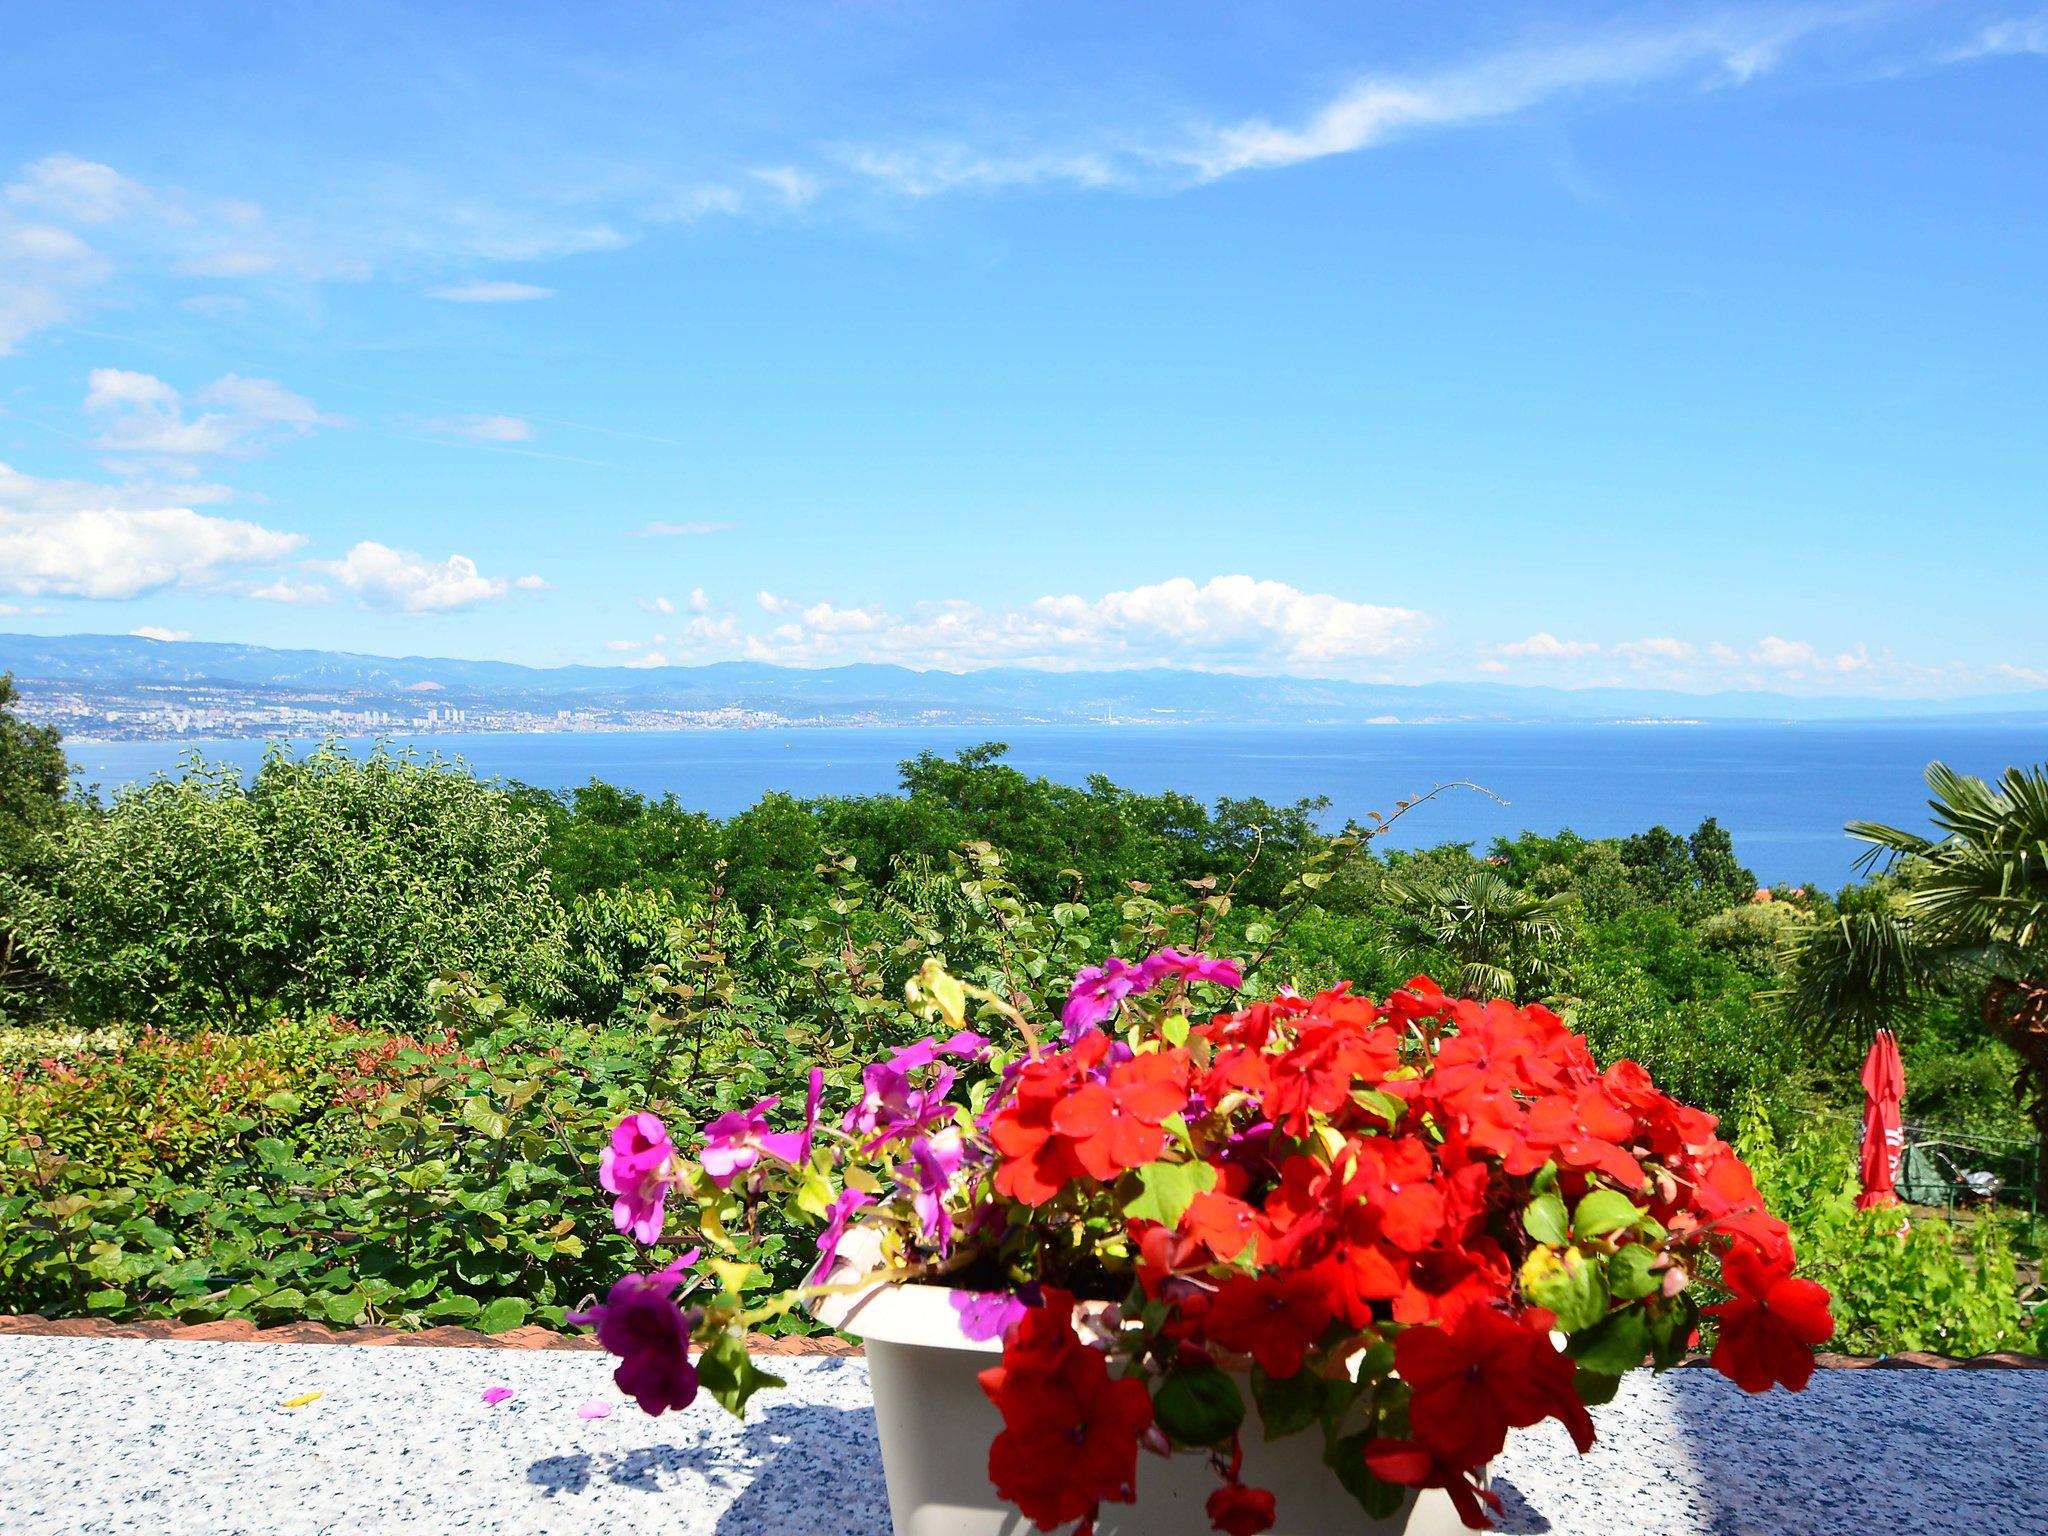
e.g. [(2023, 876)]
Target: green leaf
[(1594, 1388), (347, 1308), (1614, 1346), (1167, 1189), (285, 1103), (451, 1309), (505, 1312), (1544, 1180), (1628, 1272), (1671, 1330), (1380, 1102), (106, 1301), (1544, 1220), (1346, 1457), (728, 1373), (1199, 1405), (1289, 1404), (1572, 1287), (1604, 1211)]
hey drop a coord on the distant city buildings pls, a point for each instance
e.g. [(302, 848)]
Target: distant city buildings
[(158, 712)]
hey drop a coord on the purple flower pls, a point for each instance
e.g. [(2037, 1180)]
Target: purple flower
[(496, 1395), (891, 1100), (1096, 992), (794, 1147), (929, 1174), (988, 1315), (1171, 962), (636, 1167), (640, 1322), (836, 1220)]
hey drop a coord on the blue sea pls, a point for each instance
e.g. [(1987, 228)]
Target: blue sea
[(1783, 791)]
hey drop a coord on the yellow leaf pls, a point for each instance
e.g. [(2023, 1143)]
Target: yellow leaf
[(302, 1399)]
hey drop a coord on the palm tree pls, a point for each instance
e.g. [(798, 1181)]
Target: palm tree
[(1974, 910), (1503, 941)]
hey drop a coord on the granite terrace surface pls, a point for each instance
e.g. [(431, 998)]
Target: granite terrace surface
[(175, 1436)]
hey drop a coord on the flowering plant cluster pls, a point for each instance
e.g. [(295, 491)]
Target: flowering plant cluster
[(1406, 1227)]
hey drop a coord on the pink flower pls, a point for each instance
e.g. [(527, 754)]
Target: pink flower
[(988, 1315), (733, 1142), (637, 1167), (1096, 992), (794, 1147), (1171, 962), (640, 1322), (836, 1220), (496, 1395)]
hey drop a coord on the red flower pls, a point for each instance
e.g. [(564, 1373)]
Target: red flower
[(1036, 1162), (1413, 1466), (1070, 1432), (1238, 1510), (1477, 1379), (1770, 1327), (1273, 1318), (1114, 1125)]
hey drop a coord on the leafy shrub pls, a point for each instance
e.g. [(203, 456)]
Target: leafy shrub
[(327, 883), (1947, 1287)]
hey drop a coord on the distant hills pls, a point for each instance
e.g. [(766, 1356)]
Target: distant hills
[(73, 675)]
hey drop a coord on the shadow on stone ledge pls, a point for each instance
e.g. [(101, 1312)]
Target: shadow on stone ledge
[(796, 1467)]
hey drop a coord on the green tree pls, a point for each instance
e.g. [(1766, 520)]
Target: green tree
[(33, 773), (1505, 943)]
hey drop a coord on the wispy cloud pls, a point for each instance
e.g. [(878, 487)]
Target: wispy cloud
[(483, 428), (662, 530), (487, 291), (2018, 34), (140, 413), (1704, 53)]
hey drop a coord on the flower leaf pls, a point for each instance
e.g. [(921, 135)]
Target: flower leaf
[(1604, 1211), (1199, 1405), (1167, 1189), (1544, 1220)]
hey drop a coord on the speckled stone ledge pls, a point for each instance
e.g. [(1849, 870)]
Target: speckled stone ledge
[(186, 1438), (239, 1331)]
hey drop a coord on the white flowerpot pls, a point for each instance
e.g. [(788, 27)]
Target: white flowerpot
[(936, 1426)]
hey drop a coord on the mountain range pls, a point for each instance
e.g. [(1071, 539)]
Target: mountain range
[(106, 666)]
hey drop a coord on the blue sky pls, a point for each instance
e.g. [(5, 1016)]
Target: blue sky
[(1677, 345)]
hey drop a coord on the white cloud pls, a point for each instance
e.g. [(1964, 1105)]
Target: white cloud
[(119, 552), (140, 413), (660, 530), (296, 593), (1547, 647), (1230, 623), (158, 632), (659, 605), (483, 291), (699, 603), (483, 428), (651, 659), (383, 577), (532, 584)]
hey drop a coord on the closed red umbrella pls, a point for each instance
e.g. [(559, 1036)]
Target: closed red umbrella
[(1884, 1136)]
